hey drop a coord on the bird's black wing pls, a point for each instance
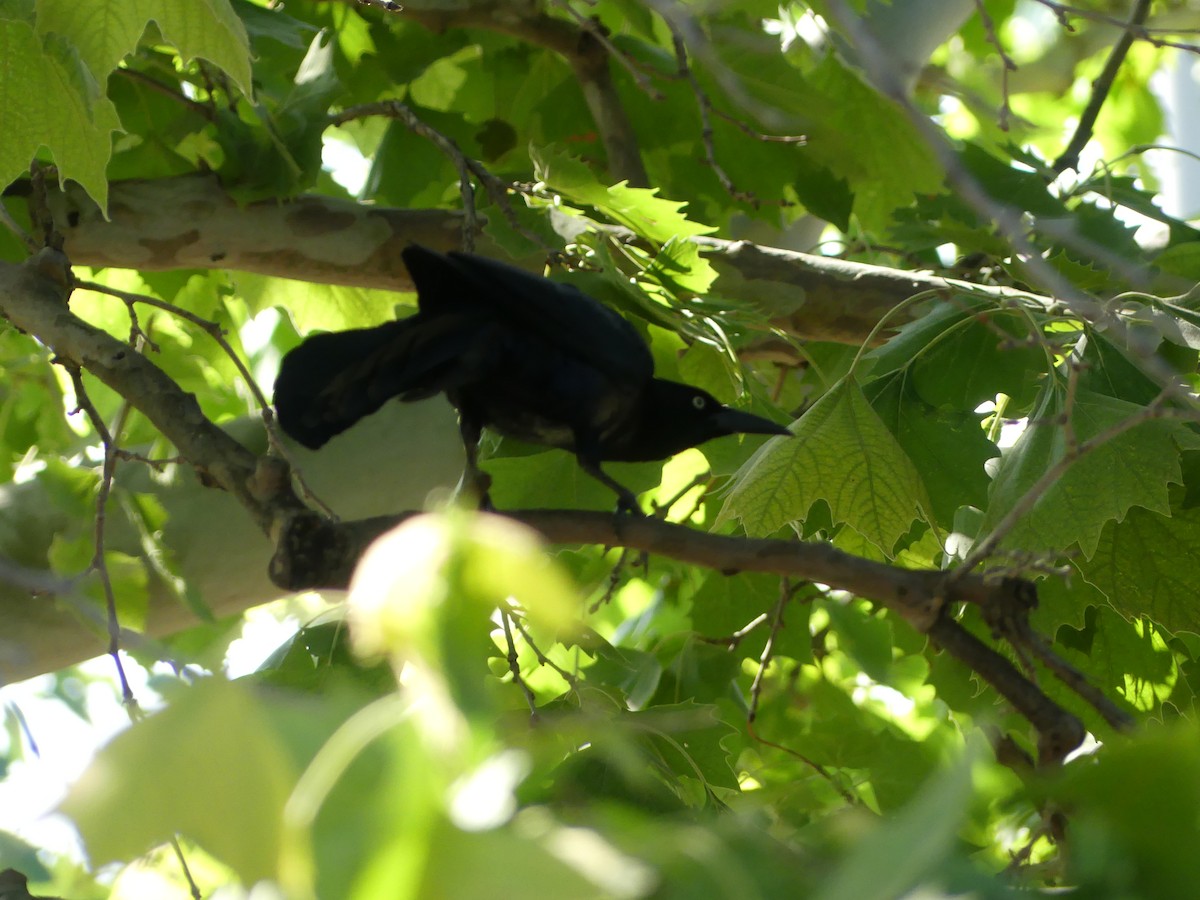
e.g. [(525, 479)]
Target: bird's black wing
[(558, 314)]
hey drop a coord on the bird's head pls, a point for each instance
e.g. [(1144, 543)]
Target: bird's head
[(676, 416)]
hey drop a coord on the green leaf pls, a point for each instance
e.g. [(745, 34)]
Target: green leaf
[(948, 448), (680, 267), (890, 860), (319, 307), (482, 865), (640, 209), (105, 31), (220, 775), (864, 638), (687, 740), (724, 605), (977, 361), (1020, 188), (76, 128), (823, 194), (1143, 566), (1134, 469), (1138, 842), (842, 453), (1125, 659), (885, 164), (127, 576)]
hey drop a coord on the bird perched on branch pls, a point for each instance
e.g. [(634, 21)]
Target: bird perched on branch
[(531, 358)]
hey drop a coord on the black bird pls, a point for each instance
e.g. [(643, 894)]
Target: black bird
[(534, 359)]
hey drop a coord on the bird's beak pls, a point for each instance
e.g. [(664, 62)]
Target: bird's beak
[(734, 421)]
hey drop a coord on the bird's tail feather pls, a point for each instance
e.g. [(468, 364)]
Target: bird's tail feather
[(332, 380), (303, 402)]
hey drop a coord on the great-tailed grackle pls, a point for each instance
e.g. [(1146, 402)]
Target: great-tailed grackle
[(534, 359)]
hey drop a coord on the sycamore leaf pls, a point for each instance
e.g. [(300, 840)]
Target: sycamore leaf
[(688, 739), (639, 209), (841, 453), (212, 767), (1129, 662), (1134, 469), (889, 860), (948, 448), (898, 161), (76, 127), (317, 307), (105, 31), (680, 267), (1142, 565)]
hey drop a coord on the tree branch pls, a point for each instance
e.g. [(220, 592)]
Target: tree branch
[(190, 222), (315, 553), (330, 241)]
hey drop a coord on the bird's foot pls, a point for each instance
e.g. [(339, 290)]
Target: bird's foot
[(477, 484), (627, 504)]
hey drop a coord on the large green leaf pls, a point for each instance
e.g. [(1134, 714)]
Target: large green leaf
[(318, 307), (76, 127), (211, 767), (1145, 566), (948, 448), (894, 856), (1134, 809), (105, 31), (1134, 469), (842, 453)]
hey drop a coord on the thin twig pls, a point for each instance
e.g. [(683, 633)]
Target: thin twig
[(157, 464), (732, 641), (1075, 680), (704, 479), (787, 591), (193, 888), (386, 5), (1101, 87), (154, 84), (514, 666), (99, 564), (542, 658), (989, 28), (1151, 35), (704, 105)]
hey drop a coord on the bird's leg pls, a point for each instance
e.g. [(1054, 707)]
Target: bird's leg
[(626, 499), (473, 477)]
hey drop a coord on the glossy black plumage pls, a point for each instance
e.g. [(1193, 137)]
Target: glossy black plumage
[(534, 359)]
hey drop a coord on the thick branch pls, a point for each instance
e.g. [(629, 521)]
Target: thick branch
[(191, 222), (317, 553)]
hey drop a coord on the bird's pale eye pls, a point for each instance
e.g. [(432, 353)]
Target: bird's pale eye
[(698, 402)]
